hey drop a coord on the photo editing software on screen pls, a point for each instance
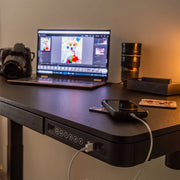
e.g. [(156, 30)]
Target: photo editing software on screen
[(73, 52)]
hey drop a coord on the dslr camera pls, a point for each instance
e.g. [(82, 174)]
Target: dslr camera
[(16, 61)]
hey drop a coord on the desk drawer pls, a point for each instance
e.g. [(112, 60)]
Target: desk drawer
[(22, 117)]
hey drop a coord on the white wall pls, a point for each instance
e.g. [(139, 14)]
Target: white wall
[(156, 24)]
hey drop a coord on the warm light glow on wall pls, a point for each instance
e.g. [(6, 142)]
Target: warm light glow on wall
[(161, 54)]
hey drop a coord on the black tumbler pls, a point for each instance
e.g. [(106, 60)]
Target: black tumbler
[(130, 61)]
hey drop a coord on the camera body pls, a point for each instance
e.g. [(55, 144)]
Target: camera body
[(16, 61)]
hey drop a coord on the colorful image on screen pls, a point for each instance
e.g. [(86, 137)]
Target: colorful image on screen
[(71, 50), (101, 41), (100, 51), (45, 44)]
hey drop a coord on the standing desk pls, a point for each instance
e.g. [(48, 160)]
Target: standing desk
[(63, 114)]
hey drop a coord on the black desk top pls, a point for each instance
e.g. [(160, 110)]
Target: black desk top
[(71, 107)]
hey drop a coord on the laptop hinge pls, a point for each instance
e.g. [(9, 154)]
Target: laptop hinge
[(97, 80)]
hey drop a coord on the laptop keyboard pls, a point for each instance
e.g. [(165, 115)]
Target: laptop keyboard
[(58, 82), (63, 81)]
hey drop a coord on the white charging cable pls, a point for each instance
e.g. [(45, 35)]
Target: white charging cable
[(88, 148), (151, 143)]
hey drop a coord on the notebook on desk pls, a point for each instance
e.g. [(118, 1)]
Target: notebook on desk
[(75, 58)]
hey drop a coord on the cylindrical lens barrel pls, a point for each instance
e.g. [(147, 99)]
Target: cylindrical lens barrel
[(130, 61), (131, 48)]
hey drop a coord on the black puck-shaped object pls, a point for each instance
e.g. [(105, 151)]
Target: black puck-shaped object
[(129, 73), (130, 61), (131, 48)]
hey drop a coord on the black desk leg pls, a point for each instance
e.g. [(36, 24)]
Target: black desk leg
[(15, 151), (173, 160)]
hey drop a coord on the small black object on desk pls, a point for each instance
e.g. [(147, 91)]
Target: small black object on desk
[(120, 110), (130, 61), (154, 85)]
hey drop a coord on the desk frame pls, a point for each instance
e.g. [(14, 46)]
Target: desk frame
[(15, 151), (28, 107)]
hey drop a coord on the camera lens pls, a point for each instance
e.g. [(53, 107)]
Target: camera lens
[(12, 70), (130, 61), (13, 67), (131, 48)]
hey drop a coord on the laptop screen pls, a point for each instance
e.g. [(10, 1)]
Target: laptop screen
[(73, 52)]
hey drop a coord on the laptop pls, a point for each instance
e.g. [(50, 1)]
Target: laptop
[(74, 58)]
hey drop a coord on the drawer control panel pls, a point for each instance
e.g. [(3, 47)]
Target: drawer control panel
[(63, 133), (111, 152)]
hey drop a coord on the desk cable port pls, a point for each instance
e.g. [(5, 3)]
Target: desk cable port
[(89, 147), (99, 148)]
